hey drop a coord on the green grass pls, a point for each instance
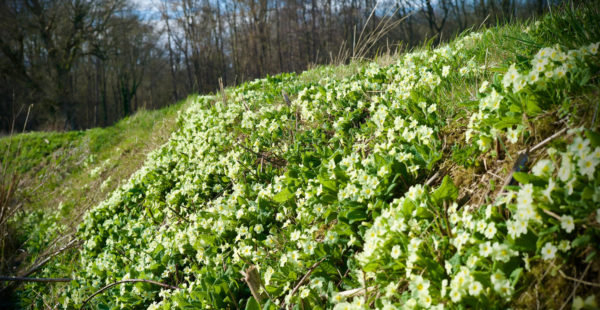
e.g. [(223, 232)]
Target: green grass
[(62, 174)]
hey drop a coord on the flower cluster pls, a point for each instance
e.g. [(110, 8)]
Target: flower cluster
[(320, 191), (527, 91), (481, 253)]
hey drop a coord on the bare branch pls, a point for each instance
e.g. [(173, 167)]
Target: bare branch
[(128, 281)]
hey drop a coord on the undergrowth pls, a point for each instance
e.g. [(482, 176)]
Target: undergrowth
[(58, 176), (457, 177)]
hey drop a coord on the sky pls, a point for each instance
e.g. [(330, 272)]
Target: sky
[(148, 9)]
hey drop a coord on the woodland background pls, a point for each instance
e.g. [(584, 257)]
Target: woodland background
[(87, 63)]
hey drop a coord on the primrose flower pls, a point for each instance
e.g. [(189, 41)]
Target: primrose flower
[(484, 86), (548, 191), (490, 231), (472, 260), (410, 304), (445, 71), (533, 76), (567, 223), (425, 300), (295, 235), (415, 192), (493, 100), (548, 251), (432, 108), (587, 165), (593, 48), (504, 288), (331, 237), (337, 298), (511, 76), (564, 245), (358, 302), (524, 201), (497, 277), (390, 289), (560, 72), (512, 229), (520, 83), (304, 292), (448, 267), (419, 285), (596, 152), (485, 249), (484, 143), (501, 252), (268, 274), (580, 146), (413, 246), (512, 135), (566, 168), (475, 288), (543, 167), (455, 295), (480, 226), (396, 252)]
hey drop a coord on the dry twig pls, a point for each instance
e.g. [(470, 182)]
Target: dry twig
[(128, 281), (310, 270), (25, 279)]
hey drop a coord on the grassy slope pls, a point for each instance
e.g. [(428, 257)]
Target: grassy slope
[(62, 175), (163, 192)]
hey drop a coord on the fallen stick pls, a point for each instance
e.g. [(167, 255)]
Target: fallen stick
[(539, 145), (562, 274), (47, 259), (524, 157), (356, 292), (129, 281), (25, 279), (222, 88), (310, 270), (252, 279), (433, 177)]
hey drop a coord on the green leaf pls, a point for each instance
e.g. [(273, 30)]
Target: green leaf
[(269, 305), (515, 276), (527, 242), (434, 269), (581, 241), (370, 267), (252, 304), (594, 138), (532, 108), (515, 108), (447, 190), (588, 193), (283, 196), (356, 214), (550, 230), (590, 256), (522, 177), (327, 183), (585, 78)]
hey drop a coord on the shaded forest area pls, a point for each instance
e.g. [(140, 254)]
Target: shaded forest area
[(89, 63)]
